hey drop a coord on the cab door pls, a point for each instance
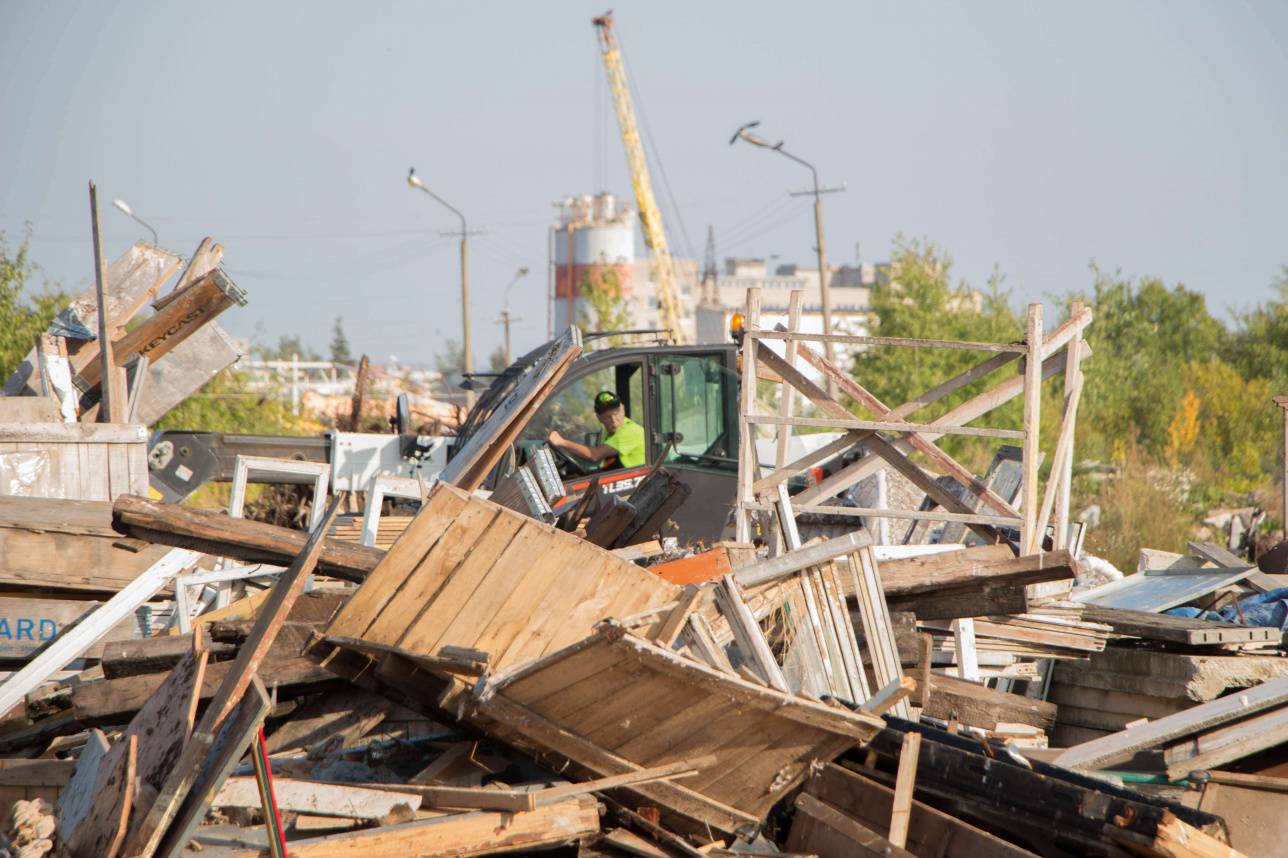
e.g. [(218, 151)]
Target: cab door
[(695, 432), (571, 411)]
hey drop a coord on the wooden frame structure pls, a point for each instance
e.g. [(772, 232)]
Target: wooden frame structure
[(893, 437)]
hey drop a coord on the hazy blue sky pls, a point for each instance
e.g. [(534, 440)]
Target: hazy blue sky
[(1151, 137)]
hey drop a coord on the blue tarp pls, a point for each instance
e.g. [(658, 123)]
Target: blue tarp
[(1264, 609)]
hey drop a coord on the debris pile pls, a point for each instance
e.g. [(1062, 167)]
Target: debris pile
[(523, 668)]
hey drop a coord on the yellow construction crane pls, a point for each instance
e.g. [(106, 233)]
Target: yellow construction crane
[(663, 266)]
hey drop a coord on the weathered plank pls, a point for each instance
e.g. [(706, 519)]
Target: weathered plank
[(214, 533)]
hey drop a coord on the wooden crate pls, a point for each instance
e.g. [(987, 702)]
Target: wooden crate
[(469, 573), (75, 461)]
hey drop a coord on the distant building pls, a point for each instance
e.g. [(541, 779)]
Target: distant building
[(850, 290), (593, 244)]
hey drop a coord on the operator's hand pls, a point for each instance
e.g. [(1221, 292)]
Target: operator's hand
[(556, 439)]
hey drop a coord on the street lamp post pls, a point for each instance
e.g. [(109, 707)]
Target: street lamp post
[(505, 313), (744, 133), (467, 344), (122, 206)]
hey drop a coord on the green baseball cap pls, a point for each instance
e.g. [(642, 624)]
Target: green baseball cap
[(606, 400)]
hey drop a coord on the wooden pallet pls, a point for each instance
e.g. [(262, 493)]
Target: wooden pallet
[(468, 573), (615, 702)]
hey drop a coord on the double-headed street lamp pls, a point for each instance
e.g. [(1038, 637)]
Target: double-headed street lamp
[(414, 181), (745, 133), (122, 206)]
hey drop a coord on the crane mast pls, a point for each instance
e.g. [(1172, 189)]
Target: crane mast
[(661, 263)]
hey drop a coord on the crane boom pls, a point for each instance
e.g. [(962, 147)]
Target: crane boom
[(661, 263)]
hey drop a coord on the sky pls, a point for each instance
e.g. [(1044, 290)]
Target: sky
[(1150, 138)]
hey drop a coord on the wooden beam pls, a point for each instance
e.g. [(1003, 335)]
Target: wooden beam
[(916, 343), (1072, 375), (775, 568), (213, 532), (1062, 458), (1030, 539), (113, 410), (751, 640), (748, 459)]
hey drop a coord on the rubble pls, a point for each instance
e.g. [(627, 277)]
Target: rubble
[(513, 669)]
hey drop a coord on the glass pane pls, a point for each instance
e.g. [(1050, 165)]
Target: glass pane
[(691, 394), (572, 410)]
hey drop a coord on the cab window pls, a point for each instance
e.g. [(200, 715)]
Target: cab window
[(571, 411), (694, 395)]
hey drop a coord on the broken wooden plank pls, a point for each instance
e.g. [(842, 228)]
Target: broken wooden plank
[(751, 640), (456, 834), (76, 799), (904, 786), (349, 801), (973, 569), (811, 555), (1217, 747), (340, 717), (980, 706), (487, 440), (102, 830), (231, 739)]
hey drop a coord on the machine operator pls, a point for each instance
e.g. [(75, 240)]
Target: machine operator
[(623, 439)]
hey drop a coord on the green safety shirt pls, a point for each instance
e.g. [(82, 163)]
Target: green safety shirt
[(628, 441)]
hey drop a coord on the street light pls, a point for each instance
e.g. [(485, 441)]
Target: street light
[(121, 204), (505, 313), (467, 345), (745, 134)]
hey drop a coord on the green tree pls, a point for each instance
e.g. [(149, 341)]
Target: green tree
[(225, 404), (288, 346), (340, 343), (920, 300), (608, 308), (1258, 345), (1142, 335), (22, 315)]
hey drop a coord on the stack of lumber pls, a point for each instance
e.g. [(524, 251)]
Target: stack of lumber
[(348, 528)]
